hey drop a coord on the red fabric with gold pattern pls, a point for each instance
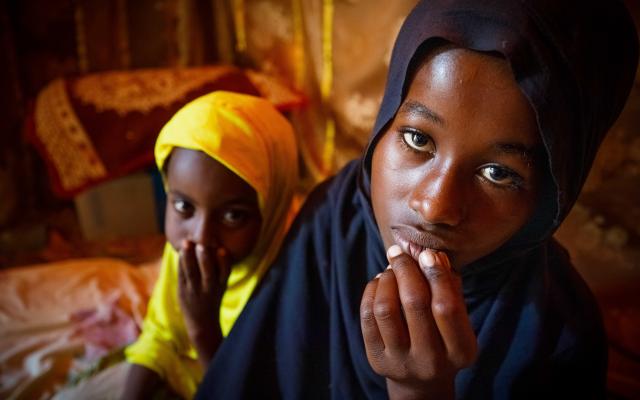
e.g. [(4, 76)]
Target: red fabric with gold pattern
[(100, 126)]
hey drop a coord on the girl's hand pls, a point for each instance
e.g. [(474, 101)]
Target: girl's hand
[(415, 325), (202, 280)]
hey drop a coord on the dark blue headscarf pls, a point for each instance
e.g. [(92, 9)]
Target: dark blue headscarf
[(538, 327)]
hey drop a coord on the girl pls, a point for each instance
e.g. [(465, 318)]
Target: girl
[(230, 167), (490, 121)]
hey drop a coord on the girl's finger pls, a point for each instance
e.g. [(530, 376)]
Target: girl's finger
[(373, 343), (182, 277), (448, 308), (206, 268), (224, 266), (415, 298), (189, 266), (388, 313), (183, 287)]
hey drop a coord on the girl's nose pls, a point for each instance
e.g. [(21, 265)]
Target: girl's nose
[(440, 198), (203, 231)]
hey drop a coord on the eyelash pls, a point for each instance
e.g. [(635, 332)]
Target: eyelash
[(406, 146), (242, 214), (186, 205), (517, 180)]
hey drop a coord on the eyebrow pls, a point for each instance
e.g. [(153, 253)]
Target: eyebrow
[(235, 200), (529, 154), (180, 194), (413, 107)]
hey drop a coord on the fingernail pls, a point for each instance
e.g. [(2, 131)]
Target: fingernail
[(426, 259), (394, 251), (378, 276), (388, 267), (199, 248)]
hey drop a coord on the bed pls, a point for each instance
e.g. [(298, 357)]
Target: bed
[(62, 322)]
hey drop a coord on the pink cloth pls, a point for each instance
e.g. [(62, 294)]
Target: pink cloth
[(53, 315)]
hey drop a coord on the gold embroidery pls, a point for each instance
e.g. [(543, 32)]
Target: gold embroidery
[(61, 133), (239, 23), (142, 90), (298, 44), (326, 85)]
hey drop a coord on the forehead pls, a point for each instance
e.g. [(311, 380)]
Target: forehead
[(472, 92), (447, 61), (204, 179)]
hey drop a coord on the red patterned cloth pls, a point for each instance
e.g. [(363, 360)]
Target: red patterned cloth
[(100, 126)]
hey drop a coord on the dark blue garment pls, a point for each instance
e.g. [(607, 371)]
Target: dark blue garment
[(539, 331)]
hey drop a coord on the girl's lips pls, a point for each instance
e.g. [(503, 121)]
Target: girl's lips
[(404, 237), (409, 248)]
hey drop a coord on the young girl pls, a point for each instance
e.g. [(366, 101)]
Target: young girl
[(490, 121), (230, 167)]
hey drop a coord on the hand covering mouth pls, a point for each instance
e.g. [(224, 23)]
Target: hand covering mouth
[(413, 241)]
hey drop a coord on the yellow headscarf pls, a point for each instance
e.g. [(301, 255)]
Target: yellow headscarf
[(251, 138)]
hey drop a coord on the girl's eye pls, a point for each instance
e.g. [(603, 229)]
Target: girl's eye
[(233, 218), (182, 207), (501, 176), (418, 142)]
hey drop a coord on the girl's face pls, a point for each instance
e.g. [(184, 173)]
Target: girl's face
[(210, 205), (456, 169)]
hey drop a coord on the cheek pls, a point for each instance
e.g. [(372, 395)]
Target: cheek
[(241, 242), (392, 178), (387, 183), (496, 221), (173, 230), (378, 186)]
